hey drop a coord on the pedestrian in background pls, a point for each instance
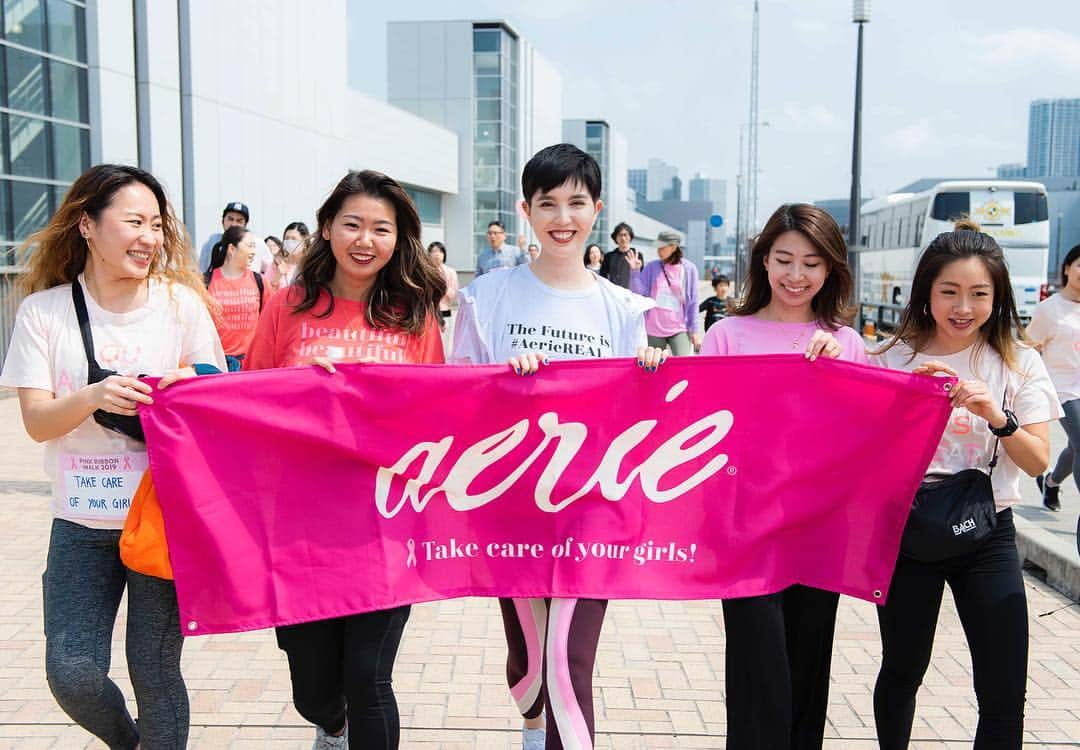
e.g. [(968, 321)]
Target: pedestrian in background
[(623, 260), (715, 307), (534, 251), (238, 292), (498, 254), (362, 279), (114, 263), (673, 284), (236, 214), (594, 258), (960, 321), (1055, 329), (437, 253), (779, 646)]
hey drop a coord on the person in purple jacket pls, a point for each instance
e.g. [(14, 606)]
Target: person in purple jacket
[(673, 283)]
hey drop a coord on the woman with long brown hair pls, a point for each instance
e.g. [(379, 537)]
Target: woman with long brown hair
[(366, 292), (962, 321), (112, 296), (779, 646)]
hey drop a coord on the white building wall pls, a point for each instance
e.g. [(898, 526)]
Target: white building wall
[(273, 129), (618, 191), (110, 47), (541, 102)]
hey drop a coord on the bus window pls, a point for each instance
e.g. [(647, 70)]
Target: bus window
[(951, 206), (1030, 207)]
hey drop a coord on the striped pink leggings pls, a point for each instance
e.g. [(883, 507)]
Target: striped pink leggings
[(551, 651)]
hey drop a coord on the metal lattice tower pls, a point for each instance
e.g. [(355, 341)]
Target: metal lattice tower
[(752, 143)]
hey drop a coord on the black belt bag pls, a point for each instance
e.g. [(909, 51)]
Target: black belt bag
[(129, 426), (952, 516)]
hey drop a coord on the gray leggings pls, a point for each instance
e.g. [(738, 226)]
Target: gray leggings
[(1069, 460), (679, 343), (83, 582)]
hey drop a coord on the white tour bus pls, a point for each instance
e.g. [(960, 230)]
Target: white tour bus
[(897, 228)]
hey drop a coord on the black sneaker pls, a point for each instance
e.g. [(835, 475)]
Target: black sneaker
[(1050, 496), (1039, 481)]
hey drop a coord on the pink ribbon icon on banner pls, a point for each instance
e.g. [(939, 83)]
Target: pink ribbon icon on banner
[(411, 561)]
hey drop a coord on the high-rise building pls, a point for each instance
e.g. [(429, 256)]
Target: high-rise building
[(158, 83), (1054, 138), (481, 80), (1011, 171), (607, 145), (715, 192), (638, 180), (662, 182)]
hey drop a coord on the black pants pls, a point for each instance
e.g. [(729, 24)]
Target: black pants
[(989, 593), (343, 667), (778, 657)]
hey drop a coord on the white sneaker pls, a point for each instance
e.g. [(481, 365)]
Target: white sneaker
[(324, 741), (533, 739)]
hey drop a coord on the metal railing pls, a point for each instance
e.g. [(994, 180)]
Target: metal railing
[(884, 317)]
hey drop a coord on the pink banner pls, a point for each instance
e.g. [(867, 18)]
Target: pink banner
[(295, 495)]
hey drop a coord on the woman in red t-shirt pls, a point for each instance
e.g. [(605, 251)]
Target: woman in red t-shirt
[(366, 292), (239, 292)]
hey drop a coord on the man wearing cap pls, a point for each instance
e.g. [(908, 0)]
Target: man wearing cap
[(673, 283), (237, 214)]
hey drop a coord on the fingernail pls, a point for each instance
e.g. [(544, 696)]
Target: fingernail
[(517, 370), (813, 357), (546, 360), (640, 363)]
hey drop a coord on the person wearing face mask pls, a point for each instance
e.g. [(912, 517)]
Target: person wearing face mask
[(239, 293)]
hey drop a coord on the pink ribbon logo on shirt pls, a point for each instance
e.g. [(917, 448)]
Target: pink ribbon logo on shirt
[(294, 495)]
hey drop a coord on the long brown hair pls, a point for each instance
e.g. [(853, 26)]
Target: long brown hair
[(407, 290), (57, 254), (830, 304), (917, 325)]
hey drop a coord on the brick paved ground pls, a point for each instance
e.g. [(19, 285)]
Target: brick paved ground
[(659, 679)]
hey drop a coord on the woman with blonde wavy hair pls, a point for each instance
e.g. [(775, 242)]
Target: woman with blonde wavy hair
[(112, 297)]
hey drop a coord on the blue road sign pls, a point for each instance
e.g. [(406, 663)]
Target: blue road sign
[(716, 220)]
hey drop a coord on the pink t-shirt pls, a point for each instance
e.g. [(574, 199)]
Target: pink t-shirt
[(746, 334), (668, 317)]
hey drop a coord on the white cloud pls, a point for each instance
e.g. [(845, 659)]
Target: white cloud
[(1040, 47), (813, 116), (910, 139)]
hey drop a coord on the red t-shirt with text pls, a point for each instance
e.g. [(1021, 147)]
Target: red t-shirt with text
[(236, 314), (285, 338)]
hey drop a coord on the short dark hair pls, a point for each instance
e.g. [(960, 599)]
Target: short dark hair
[(621, 226), (557, 165), (720, 279), (1070, 258)]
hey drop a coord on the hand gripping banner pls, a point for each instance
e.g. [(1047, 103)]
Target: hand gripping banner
[(294, 495)]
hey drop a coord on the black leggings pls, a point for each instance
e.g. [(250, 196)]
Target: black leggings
[(343, 667), (989, 593), (778, 656)]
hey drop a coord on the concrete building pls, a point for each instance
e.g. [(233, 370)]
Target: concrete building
[(715, 192), (662, 181), (691, 218), (638, 180), (483, 82), (1054, 138), (169, 85)]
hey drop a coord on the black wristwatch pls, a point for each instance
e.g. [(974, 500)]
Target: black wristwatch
[(1010, 426)]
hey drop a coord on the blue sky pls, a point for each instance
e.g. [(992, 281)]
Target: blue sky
[(947, 83)]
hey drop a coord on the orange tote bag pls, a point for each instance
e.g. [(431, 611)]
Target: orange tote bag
[(143, 547)]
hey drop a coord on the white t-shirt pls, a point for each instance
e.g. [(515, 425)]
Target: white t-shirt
[(967, 442), (93, 469), (509, 312), (1055, 325)]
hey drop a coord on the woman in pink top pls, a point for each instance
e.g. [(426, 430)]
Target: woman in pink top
[(779, 646), (437, 253), (672, 283)]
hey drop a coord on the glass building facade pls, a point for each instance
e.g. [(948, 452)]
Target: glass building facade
[(495, 147), (598, 146), (1054, 138), (44, 117)]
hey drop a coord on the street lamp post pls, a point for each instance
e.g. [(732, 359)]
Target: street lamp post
[(743, 222), (860, 14)]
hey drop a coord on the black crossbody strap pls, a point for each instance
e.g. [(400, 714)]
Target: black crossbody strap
[(84, 323), (997, 440)]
